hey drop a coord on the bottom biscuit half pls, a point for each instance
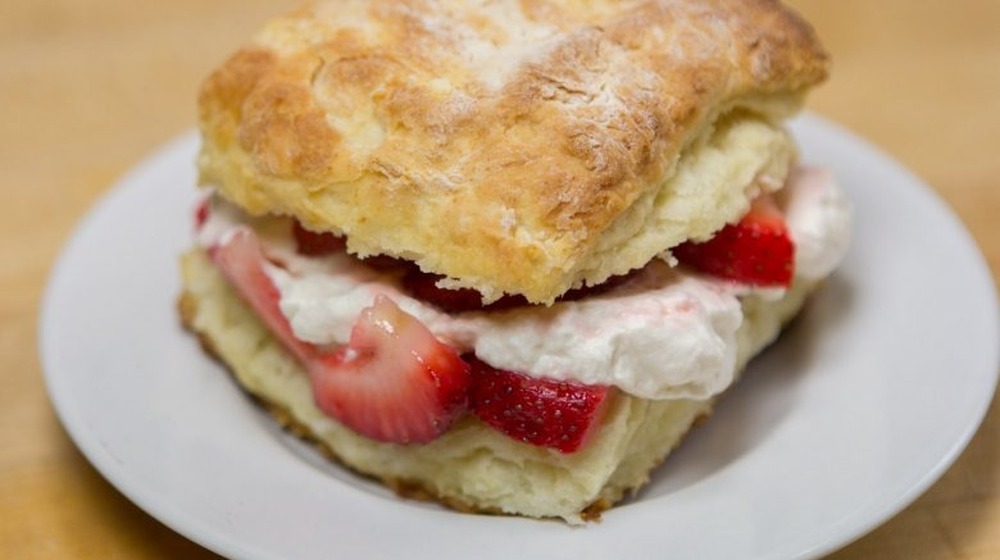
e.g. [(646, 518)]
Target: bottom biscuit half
[(471, 467)]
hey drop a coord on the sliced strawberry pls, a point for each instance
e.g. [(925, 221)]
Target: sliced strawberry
[(757, 250), (385, 263), (393, 382), (201, 212), (241, 259), (316, 244), (557, 414), (587, 291), (423, 286)]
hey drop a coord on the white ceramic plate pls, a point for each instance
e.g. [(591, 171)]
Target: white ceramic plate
[(857, 410)]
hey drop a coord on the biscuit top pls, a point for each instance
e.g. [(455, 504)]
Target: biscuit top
[(513, 146)]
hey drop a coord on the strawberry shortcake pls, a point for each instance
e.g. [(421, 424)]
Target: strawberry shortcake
[(504, 254)]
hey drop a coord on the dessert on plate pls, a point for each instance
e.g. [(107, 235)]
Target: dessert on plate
[(503, 254)]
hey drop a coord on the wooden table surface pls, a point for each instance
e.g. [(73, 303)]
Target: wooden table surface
[(87, 88)]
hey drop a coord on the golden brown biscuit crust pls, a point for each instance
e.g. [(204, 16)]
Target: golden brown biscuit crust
[(492, 142)]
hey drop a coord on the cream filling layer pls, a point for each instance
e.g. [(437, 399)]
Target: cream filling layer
[(665, 333)]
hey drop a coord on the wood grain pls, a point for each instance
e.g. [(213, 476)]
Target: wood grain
[(87, 88)]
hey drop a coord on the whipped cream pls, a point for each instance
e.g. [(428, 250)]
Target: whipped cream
[(664, 333), (818, 214)]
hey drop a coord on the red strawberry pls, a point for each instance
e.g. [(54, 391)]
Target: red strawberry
[(241, 259), (385, 263), (587, 291), (393, 382), (557, 414), (423, 286), (201, 212), (313, 244), (757, 250)]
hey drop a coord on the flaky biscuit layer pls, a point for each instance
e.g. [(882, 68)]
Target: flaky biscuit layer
[(519, 146)]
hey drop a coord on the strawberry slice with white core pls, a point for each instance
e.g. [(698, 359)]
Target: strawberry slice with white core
[(561, 415), (757, 250), (241, 259), (394, 379), (393, 382)]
